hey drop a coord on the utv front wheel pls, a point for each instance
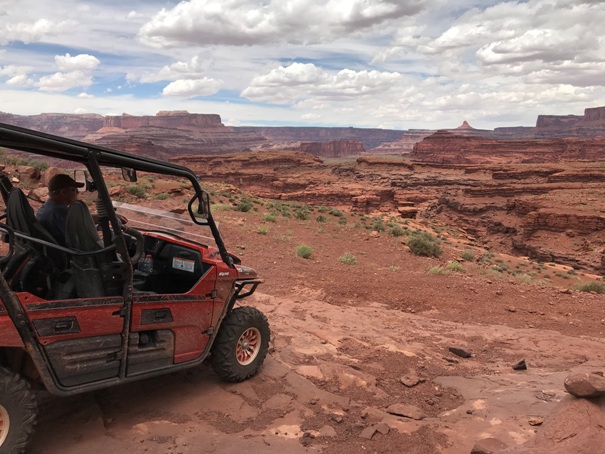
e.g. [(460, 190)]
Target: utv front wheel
[(17, 412), (241, 344)]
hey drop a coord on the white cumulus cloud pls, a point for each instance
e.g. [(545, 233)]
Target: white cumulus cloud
[(250, 22), (301, 81), (82, 62), (189, 88), (64, 81)]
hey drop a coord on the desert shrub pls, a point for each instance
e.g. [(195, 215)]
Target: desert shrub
[(336, 212), (424, 244), (455, 266), (262, 229), (301, 214), (304, 251), (220, 207), (135, 190), (348, 259), (524, 277), (593, 286), (270, 217), (397, 230), (572, 271), (244, 205), (342, 220), (377, 225), (322, 209), (468, 255), (439, 270), (161, 196), (321, 218)]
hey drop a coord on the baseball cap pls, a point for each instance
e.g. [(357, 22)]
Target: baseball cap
[(62, 181)]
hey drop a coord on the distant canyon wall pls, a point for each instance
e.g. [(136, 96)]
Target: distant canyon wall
[(448, 148), (370, 138), (173, 133), (74, 126), (179, 119)]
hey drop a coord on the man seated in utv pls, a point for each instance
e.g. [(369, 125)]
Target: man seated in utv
[(62, 190)]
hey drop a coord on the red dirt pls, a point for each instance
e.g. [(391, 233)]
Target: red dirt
[(343, 336)]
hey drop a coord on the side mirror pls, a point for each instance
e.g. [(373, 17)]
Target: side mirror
[(129, 174), (199, 208), (81, 176)]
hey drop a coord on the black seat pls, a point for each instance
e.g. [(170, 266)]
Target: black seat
[(44, 262), (97, 273)]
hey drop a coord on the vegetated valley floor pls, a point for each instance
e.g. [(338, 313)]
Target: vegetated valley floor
[(343, 338)]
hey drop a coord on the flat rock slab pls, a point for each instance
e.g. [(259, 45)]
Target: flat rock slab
[(407, 411)]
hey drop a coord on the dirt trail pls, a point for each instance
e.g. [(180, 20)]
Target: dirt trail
[(332, 372)]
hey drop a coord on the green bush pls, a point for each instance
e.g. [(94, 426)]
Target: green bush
[(137, 191), (161, 196), (244, 205), (439, 270), (321, 218), (455, 266), (220, 207), (301, 214), (397, 230), (304, 251), (270, 217), (342, 220), (262, 229), (468, 255), (348, 259), (424, 244), (593, 286)]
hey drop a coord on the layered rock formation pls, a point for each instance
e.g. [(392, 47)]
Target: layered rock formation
[(179, 119), (549, 212), (72, 126), (448, 148), (333, 149), (171, 134), (370, 138)]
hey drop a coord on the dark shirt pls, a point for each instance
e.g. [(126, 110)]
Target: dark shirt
[(53, 217)]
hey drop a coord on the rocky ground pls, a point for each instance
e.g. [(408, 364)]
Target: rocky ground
[(360, 357)]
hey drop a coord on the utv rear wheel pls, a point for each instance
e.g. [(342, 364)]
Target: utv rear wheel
[(17, 412), (241, 344)]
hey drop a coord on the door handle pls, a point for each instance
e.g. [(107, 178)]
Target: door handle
[(63, 326), (153, 316), (160, 315)]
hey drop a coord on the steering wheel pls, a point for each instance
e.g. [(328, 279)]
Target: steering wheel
[(140, 243)]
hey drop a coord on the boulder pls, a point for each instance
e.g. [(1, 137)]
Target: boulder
[(584, 384)]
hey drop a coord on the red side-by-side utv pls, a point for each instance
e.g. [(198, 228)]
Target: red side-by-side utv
[(117, 302)]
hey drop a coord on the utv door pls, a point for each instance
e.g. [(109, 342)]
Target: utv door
[(172, 317), (81, 337)]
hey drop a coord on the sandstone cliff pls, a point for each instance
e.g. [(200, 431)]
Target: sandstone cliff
[(370, 138), (333, 149), (180, 119), (75, 126), (448, 148)]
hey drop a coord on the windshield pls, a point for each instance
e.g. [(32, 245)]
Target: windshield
[(177, 223)]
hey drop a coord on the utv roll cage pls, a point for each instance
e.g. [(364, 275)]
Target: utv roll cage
[(94, 156)]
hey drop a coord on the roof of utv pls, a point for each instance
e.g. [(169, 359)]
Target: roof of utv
[(31, 141)]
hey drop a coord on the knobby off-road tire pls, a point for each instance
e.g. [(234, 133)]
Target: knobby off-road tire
[(17, 413), (241, 344)]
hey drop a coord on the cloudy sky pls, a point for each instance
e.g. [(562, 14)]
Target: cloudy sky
[(365, 63)]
